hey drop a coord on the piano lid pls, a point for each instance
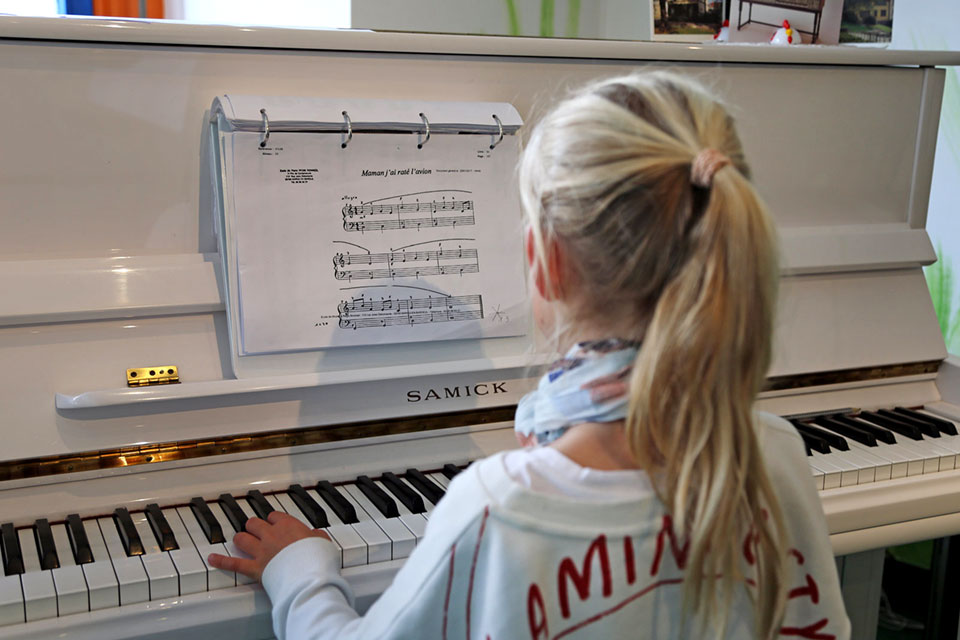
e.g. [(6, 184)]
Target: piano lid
[(108, 254)]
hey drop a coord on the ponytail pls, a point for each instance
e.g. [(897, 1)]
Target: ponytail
[(687, 265), (703, 359)]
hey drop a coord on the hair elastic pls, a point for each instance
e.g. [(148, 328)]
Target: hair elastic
[(707, 163)]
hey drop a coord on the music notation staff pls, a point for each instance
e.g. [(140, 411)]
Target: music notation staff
[(464, 261), (363, 313), (389, 217)]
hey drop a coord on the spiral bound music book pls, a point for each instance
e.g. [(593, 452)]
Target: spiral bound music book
[(368, 231)]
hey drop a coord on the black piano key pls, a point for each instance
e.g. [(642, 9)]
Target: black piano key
[(340, 505), (232, 510), (378, 497), (259, 504), (450, 470), (835, 441), (161, 528), (313, 511), (208, 522), (806, 448), (12, 556), (879, 433), (848, 431), (46, 549), (946, 427), (79, 544), (926, 428), (424, 485), (896, 426), (406, 495), (815, 443), (132, 544), (813, 440), (882, 435)]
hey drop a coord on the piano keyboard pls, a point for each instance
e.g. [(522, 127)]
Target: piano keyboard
[(136, 557), (80, 565), (871, 446)]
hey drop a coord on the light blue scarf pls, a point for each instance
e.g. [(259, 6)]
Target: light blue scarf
[(588, 385)]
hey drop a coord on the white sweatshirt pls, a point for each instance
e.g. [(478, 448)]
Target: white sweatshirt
[(500, 560)]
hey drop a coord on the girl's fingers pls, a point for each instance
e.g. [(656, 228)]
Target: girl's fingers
[(247, 543), (256, 526), (322, 534), (275, 516), (240, 565)]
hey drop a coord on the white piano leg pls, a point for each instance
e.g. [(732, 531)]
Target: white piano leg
[(860, 583)]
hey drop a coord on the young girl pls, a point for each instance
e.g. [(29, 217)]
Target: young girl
[(656, 504)]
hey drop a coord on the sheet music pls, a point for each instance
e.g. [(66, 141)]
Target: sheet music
[(377, 243)]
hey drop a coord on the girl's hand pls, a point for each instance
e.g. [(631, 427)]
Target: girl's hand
[(261, 541)]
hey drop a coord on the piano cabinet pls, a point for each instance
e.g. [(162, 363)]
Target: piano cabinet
[(108, 261)]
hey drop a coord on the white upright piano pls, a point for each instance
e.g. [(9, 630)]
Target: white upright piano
[(110, 496)]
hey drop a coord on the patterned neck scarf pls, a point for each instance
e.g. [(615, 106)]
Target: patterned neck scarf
[(589, 384)]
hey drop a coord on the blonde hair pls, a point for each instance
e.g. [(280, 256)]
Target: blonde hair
[(692, 272)]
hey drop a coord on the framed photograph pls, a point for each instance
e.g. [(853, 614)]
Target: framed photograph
[(867, 21), (687, 20)]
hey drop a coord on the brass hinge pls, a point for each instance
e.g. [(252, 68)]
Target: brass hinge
[(145, 376)]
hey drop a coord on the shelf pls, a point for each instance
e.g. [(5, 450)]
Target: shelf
[(128, 396)]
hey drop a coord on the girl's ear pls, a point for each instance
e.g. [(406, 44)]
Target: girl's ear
[(550, 284)]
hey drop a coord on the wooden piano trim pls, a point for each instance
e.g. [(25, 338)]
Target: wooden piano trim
[(202, 448)]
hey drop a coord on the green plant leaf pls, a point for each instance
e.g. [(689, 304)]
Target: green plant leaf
[(546, 18), (940, 282), (513, 18)]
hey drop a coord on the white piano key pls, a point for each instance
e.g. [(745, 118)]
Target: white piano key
[(351, 544), (832, 474), (416, 523), (946, 458), (274, 502), (817, 477), (228, 533), (379, 547), (216, 578), (882, 468), (402, 541), (865, 468), (951, 446), (283, 502), (39, 594), (68, 579), (11, 601), (898, 460), (245, 506), (922, 459), (102, 585), (131, 576), (287, 505), (164, 581), (440, 479), (186, 559)]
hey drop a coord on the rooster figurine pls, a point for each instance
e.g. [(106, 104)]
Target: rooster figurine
[(785, 35), (724, 34)]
